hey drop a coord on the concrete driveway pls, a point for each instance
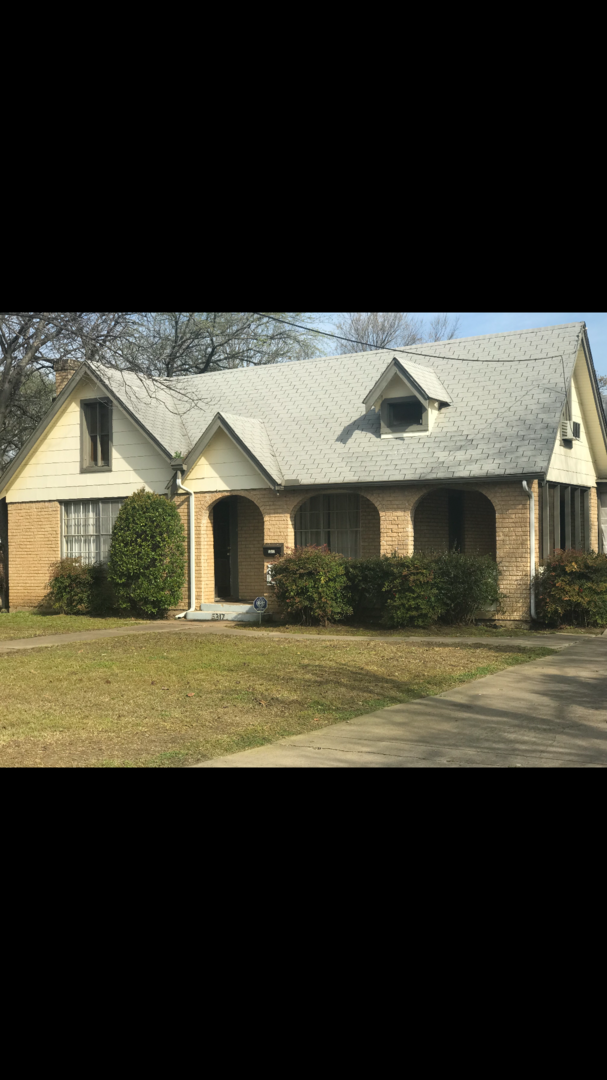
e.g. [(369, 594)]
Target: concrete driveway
[(548, 713)]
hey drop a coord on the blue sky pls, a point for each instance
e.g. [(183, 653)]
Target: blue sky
[(493, 322)]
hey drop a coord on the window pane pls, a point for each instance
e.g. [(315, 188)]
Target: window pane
[(104, 450), (104, 418)]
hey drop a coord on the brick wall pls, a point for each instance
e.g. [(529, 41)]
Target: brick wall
[(34, 542)]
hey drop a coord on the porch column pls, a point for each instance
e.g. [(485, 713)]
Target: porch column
[(512, 543)]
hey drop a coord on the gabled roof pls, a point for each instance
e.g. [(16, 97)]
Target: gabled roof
[(423, 380), (252, 438), (303, 420)]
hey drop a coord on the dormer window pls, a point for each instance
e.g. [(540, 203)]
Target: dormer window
[(405, 414), (408, 398)]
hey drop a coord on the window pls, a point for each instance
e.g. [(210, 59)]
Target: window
[(402, 416), (576, 430), (333, 520), (87, 528), (405, 413), (96, 434)]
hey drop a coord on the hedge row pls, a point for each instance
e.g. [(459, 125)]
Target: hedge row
[(316, 585)]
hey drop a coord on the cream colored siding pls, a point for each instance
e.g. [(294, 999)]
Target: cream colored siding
[(53, 469), (222, 466), (573, 463)]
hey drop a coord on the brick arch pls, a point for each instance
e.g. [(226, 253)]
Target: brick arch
[(250, 539), (438, 520)]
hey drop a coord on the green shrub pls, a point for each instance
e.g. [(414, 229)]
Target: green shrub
[(418, 590), (411, 596), (76, 588), (572, 588), (311, 584), (147, 564), (467, 585), (366, 579)]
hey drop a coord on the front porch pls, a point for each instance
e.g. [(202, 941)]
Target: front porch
[(233, 530)]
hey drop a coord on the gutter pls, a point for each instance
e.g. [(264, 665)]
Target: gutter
[(531, 497), (192, 535)]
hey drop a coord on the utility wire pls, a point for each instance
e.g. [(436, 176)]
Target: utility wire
[(394, 348)]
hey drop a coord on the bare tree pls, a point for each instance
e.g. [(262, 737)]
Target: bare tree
[(441, 328), (378, 330), (170, 343), (603, 386), (391, 330)]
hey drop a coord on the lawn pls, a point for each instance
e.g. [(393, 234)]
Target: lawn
[(141, 701), (22, 624), (364, 630)]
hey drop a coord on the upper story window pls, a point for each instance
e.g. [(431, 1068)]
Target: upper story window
[(403, 416), (96, 437)]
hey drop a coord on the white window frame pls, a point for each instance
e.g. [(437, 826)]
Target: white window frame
[(86, 557)]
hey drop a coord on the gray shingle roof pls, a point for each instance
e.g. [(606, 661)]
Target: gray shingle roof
[(305, 418)]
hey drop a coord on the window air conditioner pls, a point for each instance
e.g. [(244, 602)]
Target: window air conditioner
[(566, 429)]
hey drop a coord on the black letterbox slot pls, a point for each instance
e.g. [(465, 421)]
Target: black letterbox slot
[(271, 551)]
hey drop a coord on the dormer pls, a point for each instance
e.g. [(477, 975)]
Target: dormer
[(408, 398)]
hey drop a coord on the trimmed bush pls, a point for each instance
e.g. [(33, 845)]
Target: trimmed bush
[(419, 590), (467, 585), (572, 588), (76, 588), (147, 564), (411, 594), (311, 585)]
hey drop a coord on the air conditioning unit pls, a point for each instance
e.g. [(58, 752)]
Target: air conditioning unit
[(566, 430)]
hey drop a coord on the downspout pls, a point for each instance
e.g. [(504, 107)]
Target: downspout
[(529, 492), (192, 606)]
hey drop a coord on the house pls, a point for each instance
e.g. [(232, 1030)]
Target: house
[(496, 444)]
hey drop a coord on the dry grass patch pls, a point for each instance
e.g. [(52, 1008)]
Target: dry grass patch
[(138, 701), (23, 624), (363, 630)]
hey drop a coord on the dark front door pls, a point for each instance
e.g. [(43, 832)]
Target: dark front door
[(222, 512)]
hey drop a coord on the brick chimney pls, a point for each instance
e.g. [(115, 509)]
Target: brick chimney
[(64, 369)]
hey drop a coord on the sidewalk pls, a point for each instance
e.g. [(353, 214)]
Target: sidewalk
[(550, 713)]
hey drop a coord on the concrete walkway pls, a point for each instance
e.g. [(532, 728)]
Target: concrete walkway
[(553, 641), (548, 713)]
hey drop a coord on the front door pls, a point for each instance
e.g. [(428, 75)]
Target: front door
[(222, 512)]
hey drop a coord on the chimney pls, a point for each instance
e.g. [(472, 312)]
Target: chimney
[(64, 369)]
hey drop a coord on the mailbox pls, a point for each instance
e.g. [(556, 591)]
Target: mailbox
[(272, 551)]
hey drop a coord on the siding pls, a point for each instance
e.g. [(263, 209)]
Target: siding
[(223, 467), (53, 469), (574, 465)]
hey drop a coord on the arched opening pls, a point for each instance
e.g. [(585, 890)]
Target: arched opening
[(450, 519), (238, 565), (345, 521)]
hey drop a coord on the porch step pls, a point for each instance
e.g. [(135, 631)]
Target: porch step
[(224, 612)]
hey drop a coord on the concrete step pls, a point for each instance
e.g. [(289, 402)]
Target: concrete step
[(224, 613)]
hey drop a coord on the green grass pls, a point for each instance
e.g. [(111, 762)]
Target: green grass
[(140, 701), (23, 624)]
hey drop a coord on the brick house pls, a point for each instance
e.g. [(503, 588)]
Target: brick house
[(496, 444)]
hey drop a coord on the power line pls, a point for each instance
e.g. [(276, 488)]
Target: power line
[(395, 348)]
